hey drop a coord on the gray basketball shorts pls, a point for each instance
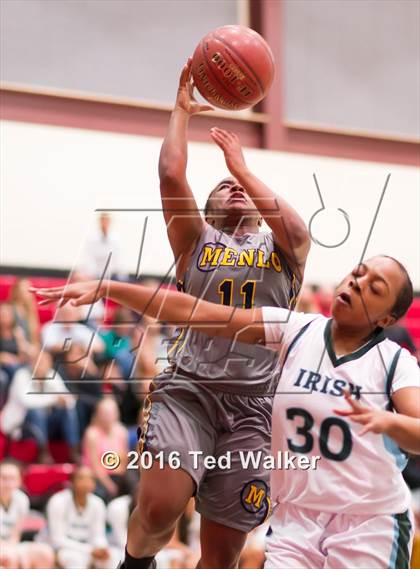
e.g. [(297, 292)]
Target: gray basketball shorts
[(221, 440)]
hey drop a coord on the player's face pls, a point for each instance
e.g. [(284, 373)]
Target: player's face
[(367, 295), (230, 197)]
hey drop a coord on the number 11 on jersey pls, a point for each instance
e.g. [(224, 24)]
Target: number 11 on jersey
[(247, 290)]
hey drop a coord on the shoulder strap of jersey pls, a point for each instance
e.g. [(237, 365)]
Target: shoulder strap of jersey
[(390, 377), (295, 340)]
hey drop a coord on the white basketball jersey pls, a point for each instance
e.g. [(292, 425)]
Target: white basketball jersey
[(14, 514), (355, 475), (71, 527)]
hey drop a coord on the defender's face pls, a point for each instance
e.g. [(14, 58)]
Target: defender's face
[(230, 197), (366, 296)]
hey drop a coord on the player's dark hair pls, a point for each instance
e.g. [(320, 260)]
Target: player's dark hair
[(405, 295), (207, 206)]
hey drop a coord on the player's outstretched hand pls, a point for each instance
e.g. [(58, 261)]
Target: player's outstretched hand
[(231, 145), (77, 294), (185, 98), (374, 420)]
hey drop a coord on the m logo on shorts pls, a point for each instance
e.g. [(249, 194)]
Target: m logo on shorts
[(254, 496)]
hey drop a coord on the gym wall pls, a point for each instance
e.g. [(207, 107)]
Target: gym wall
[(54, 178)]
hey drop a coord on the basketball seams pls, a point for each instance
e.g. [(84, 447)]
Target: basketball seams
[(217, 80), (233, 76), (242, 61)]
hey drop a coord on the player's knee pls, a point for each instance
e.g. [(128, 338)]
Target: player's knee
[(157, 515), (224, 556)]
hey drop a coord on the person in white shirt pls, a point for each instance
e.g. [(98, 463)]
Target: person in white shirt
[(76, 525), (340, 500), (102, 257), (41, 405), (14, 507), (66, 329)]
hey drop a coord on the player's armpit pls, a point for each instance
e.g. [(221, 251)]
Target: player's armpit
[(183, 220)]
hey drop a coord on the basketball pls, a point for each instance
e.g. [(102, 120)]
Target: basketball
[(233, 67)]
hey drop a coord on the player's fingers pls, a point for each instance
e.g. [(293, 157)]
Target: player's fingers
[(184, 75), (218, 135), (366, 429), (343, 412), (190, 85), (355, 405), (83, 299), (362, 419), (206, 108), (50, 295), (37, 290), (223, 133), (45, 302)]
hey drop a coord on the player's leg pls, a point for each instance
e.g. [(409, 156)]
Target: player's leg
[(163, 496), (176, 424), (293, 539), (383, 542), (234, 500), (221, 546)]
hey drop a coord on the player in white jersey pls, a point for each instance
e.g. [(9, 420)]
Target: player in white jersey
[(353, 511), (14, 507), (76, 525)]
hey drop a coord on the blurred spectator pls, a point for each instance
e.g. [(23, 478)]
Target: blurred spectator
[(117, 513), (82, 378), (399, 333), (76, 525), (25, 309), (307, 301), (42, 407), (106, 433), (15, 350), (102, 253), (14, 507), (325, 295), (66, 329), (175, 555), (118, 340)]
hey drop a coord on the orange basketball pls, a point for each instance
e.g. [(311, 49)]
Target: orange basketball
[(233, 67)]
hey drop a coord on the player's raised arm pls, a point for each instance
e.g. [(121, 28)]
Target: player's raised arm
[(246, 325), (289, 230), (183, 220)]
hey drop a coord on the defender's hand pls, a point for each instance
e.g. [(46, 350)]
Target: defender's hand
[(232, 149), (185, 98), (86, 292), (374, 420)]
